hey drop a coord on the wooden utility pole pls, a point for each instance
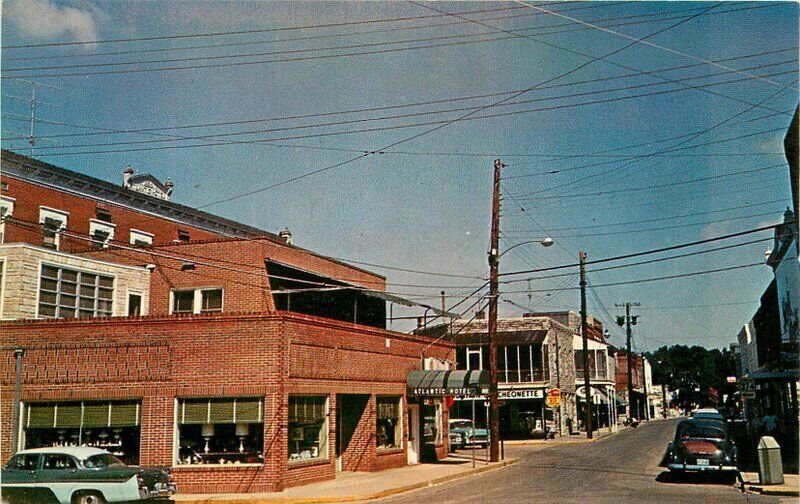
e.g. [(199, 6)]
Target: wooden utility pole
[(587, 389), (494, 262), (630, 359)]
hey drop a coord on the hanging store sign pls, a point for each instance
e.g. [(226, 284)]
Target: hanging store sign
[(520, 394)]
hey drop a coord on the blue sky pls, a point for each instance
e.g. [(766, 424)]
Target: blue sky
[(425, 203)]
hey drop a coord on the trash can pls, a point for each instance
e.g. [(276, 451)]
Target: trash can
[(770, 464)]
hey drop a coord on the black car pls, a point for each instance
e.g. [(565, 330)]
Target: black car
[(702, 445)]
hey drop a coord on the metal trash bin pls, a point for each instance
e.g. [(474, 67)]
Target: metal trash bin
[(770, 464)]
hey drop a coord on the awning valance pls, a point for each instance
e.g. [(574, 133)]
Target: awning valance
[(447, 383)]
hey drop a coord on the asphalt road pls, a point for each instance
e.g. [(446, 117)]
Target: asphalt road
[(623, 468)]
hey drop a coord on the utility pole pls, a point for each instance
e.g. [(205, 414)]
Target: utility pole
[(628, 322), (586, 387), (494, 263), (15, 419)]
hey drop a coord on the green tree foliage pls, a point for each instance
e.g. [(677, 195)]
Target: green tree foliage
[(687, 369)]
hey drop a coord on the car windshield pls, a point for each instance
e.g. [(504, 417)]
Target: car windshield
[(461, 424), (102, 460)]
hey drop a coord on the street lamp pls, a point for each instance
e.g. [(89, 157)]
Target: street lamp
[(544, 242)]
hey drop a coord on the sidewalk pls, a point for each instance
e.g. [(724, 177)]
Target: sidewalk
[(352, 487), (790, 487), (567, 438)]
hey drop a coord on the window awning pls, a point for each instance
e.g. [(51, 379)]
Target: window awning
[(597, 393), (447, 383)]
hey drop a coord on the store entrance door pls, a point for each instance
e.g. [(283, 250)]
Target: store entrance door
[(350, 408), (413, 434)]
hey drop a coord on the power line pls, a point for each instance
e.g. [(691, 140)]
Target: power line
[(343, 47), (361, 120), (657, 186), (658, 219), (415, 104), (647, 252)]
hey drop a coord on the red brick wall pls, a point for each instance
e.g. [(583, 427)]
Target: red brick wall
[(159, 359), (81, 208)]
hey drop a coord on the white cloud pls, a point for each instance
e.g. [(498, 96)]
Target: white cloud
[(44, 20)]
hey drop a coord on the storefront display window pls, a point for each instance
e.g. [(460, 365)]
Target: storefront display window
[(221, 431), (431, 413), (308, 427), (112, 426), (389, 423)]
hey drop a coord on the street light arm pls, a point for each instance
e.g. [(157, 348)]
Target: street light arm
[(544, 242)]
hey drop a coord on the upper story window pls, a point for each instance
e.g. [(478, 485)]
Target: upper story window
[(53, 222), (69, 293), (141, 238), (205, 300), (103, 214), (101, 233), (6, 206), (183, 236)]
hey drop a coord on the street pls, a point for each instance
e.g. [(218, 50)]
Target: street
[(621, 468)]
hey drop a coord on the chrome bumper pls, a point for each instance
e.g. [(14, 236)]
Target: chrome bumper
[(700, 468)]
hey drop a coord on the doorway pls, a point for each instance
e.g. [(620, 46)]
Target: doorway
[(352, 449), (413, 434)]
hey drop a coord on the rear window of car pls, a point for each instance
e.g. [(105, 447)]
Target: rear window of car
[(102, 460), (461, 425), (702, 432)]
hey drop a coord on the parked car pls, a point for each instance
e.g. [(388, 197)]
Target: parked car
[(701, 445), (709, 413), (80, 475), (463, 433)]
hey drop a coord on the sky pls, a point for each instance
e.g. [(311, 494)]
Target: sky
[(624, 126)]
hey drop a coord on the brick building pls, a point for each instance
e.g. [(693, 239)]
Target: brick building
[(534, 355), (245, 363), (642, 383)]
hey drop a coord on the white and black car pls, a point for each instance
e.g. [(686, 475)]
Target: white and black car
[(79, 475)]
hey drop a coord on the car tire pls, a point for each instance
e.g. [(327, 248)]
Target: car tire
[(88, 498)]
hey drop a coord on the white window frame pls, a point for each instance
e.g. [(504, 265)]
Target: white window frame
[(7, 202), (472, 351), (197, 302), (98, 225), (140, 235), (142, 309), (54, 214)]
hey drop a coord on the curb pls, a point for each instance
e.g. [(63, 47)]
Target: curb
[(781, 490), (350, 498)]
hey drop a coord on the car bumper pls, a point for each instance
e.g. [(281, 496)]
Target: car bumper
[(702, 468)]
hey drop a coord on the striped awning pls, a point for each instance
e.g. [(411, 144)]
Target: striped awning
[(441, 383)]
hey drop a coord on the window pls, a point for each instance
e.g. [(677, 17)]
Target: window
[(111, 425), (221, 431), (211, 301), (308, 427), (525, 363), (134, 305), (206, 300), (24, 462), (53, 221), (183, 236), (389, 433), (183, 302), (58, 462), (141, 238), (431, 412), (101, 232), (474, 358), (68, 293), (6, 206), (103, 214)]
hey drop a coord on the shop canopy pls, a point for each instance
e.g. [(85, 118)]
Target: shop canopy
[(598, 393), (447, 383)]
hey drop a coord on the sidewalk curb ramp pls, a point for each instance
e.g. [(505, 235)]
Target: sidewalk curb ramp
[(344, 498)]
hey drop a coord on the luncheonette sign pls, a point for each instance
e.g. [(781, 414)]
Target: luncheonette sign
[(520, 394)]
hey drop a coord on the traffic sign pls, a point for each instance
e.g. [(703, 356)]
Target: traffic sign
[(553, 399)]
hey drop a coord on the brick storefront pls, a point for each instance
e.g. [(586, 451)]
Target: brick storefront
[(161, 360)]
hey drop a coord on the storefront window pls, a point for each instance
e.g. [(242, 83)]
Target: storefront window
[(432, 421), (221, 431), (389, 423), (112, 426), (308, 427)]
